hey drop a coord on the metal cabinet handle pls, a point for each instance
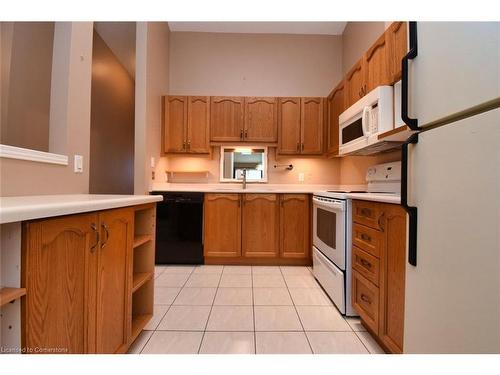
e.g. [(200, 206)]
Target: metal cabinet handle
[(183, 145), (106, 231), (298, 146), (246, 133), (302, 147), (381, 221), (365, 263), (366, 212), (94, 228), (189, 145), (241, 134), (366, 299), (366, 237)]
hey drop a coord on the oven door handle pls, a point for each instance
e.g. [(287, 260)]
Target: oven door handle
[(330, 205)]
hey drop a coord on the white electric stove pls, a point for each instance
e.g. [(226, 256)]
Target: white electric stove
[(332, 232)]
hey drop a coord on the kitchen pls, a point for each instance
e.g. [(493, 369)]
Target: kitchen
[(265, 190)]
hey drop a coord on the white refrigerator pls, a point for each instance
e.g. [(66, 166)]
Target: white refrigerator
[(451, 92)]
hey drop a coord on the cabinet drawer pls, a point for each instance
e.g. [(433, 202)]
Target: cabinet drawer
[(367, 239), (365, 300), (367, 213), (366, 264)]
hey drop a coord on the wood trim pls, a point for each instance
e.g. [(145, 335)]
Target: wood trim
[(379, 43), (12, 152)]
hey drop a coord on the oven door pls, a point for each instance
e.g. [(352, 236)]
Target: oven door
[(329, 223)]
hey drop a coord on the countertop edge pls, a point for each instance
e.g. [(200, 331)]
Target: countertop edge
[(34, 211)]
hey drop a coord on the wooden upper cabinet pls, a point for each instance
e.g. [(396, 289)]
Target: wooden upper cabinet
[(312, 126), (198, 125), (377, 65), (113, 273), (260, 225), (261, 118), (226, 119), (59, 257), (222, 225), (294, 226), (175, 121), (397, 43), (392, 278), (336, 105), (355, 83), (289, 133)]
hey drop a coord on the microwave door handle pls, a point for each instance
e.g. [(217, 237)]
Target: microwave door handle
[(365, 120)]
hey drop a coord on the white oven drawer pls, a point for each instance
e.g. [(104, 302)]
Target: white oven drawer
[(331, 278)]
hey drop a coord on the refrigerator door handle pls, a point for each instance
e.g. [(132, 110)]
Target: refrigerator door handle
[(412, 53), (412, 211)]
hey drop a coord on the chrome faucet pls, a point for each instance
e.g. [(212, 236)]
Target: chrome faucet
[(244, 178)]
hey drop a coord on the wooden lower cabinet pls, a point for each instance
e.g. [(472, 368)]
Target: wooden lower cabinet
[(379, 264), (113, 280), (222, 225), (77, 271), (260, 226), (295, 226), (257, 229), (58, 263)]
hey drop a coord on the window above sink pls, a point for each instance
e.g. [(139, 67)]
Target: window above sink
[(234, 160)]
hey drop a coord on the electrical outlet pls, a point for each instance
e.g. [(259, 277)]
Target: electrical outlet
[(301, 177), (153, 162), (78, 166)]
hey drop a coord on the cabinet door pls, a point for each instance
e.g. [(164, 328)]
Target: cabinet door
[(354, 83), (397, 43), (336, 105), (175, 120), (58, 262), (289, 126), (312, 126), (377, 65), (294, 224), (226, 118), (222, 222), (198, 125), (113, 280), (261, 119), (260, 225), (392, 278)]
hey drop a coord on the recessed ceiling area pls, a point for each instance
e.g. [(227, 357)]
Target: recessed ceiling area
[(315, 28)]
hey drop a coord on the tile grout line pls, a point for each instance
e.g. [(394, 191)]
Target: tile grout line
[(253, 314), (163, 317), (210, 313), (296, 311)]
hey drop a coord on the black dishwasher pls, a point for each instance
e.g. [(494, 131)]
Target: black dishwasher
[(179, 228)]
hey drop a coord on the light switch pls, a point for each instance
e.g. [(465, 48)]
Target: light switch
[(78, 164)]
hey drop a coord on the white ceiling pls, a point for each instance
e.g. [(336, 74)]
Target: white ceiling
[(322, 28)]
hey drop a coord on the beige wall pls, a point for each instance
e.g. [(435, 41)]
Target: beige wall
[(353, 168), (19, 177), (316, 170), (357, 38), (26, 54), (254, 64), (151, 82), (111, 124)]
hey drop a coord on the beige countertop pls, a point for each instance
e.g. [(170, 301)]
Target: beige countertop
[(276, 188), (13, 209)]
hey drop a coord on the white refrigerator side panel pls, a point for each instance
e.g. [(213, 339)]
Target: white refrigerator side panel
[(453, 294), (456, 69)]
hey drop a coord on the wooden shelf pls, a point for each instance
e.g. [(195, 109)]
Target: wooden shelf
[(142, 239), (140, 278), (399, 134), (10, 294), (204, 173), (138, 323)]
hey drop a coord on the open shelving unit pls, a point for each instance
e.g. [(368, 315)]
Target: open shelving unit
[(143, 268)]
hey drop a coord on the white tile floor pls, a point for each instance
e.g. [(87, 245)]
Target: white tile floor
[(247, 310)]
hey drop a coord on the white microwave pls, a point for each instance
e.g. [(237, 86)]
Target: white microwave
[(361, 124)]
